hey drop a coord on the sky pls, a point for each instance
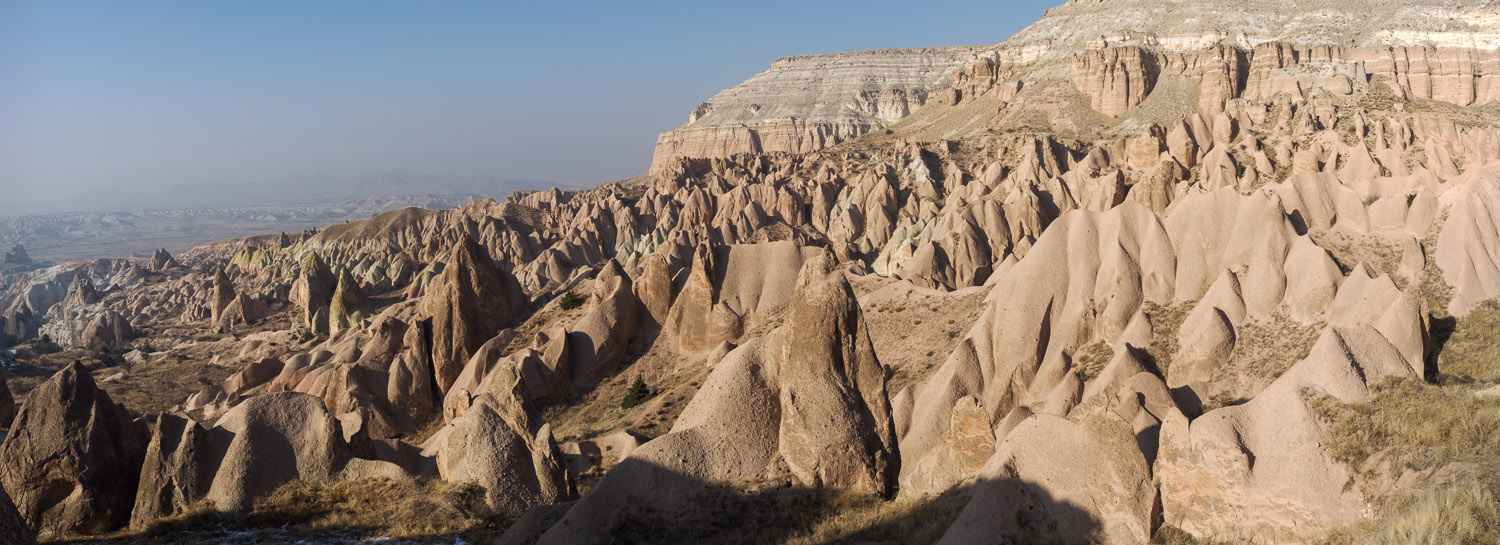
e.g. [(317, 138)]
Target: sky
[(145, 95)]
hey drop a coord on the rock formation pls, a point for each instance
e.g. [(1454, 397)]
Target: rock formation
[(809, 102), (161, 260), (13, 528), (467, 304), (108, 330), (1102, 281), (223, 295), (71, 459), (313, 292), (344, 309)]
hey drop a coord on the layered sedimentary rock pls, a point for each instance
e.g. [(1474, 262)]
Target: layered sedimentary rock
[(809, 102)]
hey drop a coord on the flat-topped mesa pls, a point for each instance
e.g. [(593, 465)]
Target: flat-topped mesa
[(1114, 51), (808, 102)]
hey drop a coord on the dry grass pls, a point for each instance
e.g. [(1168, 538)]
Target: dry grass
[(861, 519), (1472, 351), (1466, 512), (1165, 322), (793, 517), (343, 512), (382, 226), (1264, 349), (1418, 425), (1092, 358), (1170, 535)]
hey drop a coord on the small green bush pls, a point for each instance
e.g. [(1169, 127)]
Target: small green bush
[(570, 301), (638, 393)]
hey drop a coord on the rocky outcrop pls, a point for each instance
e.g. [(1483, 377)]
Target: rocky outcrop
[(313, 292), (161, 261), (501, 444), (223, 295), (806, 103), (836, 430), (810, 391), (178, 463), (597, 341), (1115, 79), (466, 305), (71, 459), (17, 255), (107, 330), (1054, 480), (346, 307)]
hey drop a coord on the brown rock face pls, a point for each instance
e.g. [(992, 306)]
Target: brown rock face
[(223, 296), (174, 475), (347, 299), (502, 445), (597, 341), (1115, 79), (71, 458), (313, 291), (107, 330), (161, 260), (273, 439), (467, 304), (13, 529), (836, 429)]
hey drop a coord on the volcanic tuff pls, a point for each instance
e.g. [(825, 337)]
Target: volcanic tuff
[(1126, 277), (809, 102)]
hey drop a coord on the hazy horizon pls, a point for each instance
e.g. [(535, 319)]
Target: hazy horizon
[(141, 97)]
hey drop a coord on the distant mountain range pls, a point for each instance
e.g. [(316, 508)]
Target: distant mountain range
[(312, 188)]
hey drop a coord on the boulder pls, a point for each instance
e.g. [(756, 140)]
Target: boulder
[(502, 445), (272, 439), (72, 458)]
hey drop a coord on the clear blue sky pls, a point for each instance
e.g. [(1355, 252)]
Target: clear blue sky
[(147, 94)]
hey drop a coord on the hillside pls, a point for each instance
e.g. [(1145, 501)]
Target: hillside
[(1126, 277)]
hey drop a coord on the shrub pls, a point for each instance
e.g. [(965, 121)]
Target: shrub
[(570, 301), (638, 393)]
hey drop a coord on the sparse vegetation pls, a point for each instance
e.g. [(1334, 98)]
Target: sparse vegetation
[(1414, 424), (1472, 350), (1466, 511), (638, 393), (1092, 358), (570, 301), (420, 512)]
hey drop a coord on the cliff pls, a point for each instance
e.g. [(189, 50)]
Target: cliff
[(809, 102)]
